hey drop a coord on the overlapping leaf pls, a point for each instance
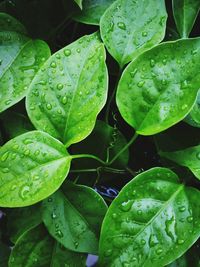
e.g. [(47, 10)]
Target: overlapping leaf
[(125, 34), (32, 166), (156, 90), (73, 217), (36, 248), (70, 90), (153, 221), (193, 117), (185, 13), (21, 58)]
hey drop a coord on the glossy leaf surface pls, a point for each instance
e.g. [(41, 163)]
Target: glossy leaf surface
[(153, 221), (109, 141), (92, 11), (32, 166), (20, 60), (125, 34), (73, 217), (21, 220), (193, 117), (8, 23), (37, 249), (70, 90), (185, 13), (156, 90), (189, 157)]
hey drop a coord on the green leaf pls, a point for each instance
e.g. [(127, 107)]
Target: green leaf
[(14, 124), (153, 221), (189, 157), (8, 23), (20, 60), (109, 142), (79, 3), (74, 217), (185, 13), (92, 11), (37, 249), (125, 34), (156, 90), (71, 90), (21, 220), (193, 118), (32, 166)]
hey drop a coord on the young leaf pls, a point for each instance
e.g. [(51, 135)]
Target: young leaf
[(21, 220), (109, 142), (92, 11), (193, 117), (20, 60), (79, 3), (8, 23), (70, 90), (32, 166), (156, 91), (35, 248), (185, 13), (153, 221), (74, 217), (189, 157), (125, 34)]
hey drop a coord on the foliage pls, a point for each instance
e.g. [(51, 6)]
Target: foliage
[(99, 97)]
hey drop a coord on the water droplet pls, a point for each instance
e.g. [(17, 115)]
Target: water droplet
[(194, 51), (27, 152), (141, 83), (60, 86), (182, 208), (59, 234), (49, 199), (164, 61), (53, 64), (64, 100), (152, 63), (121, 25), (139, 212), (24, 191), (13, 187), (76, 244), (190, 219), (49, 106), (126, 206), (5, 156), (53, 215), (5, 170), (67, 52), (159, 251), (16, 146), (27, 141), (78, 50), (143, 242), (144, 34), (184, 106), (114, 215), (180, 241)]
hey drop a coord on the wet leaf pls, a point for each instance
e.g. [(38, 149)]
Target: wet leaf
[(71, 90), (125, 34), (185, 13), (32, 166), (8, 23), (92, 11), (189, 157), (20, 59), (74, 216), (153, 221), (36, 248), (156, 90)]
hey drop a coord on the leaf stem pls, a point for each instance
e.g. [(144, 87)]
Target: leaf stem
[(124, 148), (79, 156)]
